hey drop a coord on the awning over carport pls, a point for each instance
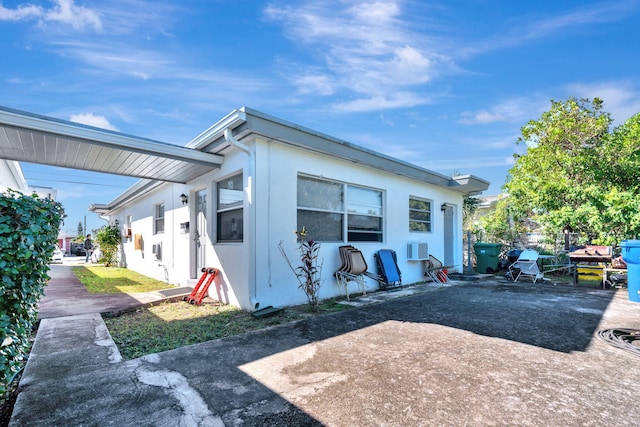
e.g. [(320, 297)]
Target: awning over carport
[(32, 138)]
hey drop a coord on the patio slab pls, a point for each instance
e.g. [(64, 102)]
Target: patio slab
[(488, 352)]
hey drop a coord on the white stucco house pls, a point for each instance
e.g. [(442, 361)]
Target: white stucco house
[(11, 177), (273, 178)]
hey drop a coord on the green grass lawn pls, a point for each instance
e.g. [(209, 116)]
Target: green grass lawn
[(99, 279), (173, 325)]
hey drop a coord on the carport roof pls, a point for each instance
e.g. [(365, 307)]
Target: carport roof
[(32, 138)]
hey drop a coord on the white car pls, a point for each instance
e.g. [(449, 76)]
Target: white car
[(57, 255)]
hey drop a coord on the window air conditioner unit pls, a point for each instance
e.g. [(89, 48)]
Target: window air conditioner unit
[(157, 251), (417, 251)]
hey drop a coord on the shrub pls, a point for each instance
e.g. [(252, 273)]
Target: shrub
[(28, 233), (109, 239), (309, 273)]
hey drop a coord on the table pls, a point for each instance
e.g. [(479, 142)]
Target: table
[(543, 257)]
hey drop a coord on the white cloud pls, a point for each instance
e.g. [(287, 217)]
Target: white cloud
[(382, 102), (368, 50), (469, 163), (63, 11), (92, 120), (378, 11), (20, 13), (621, 99), (78, 17), (524, 31), (314, 83), (512, 110), (587, 14)]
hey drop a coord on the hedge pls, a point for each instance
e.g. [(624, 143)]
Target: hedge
[(28, 233)]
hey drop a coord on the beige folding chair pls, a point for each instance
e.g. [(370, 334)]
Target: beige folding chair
[(436, 270), (353, 269)]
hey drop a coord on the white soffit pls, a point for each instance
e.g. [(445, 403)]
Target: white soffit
[(27, 137)]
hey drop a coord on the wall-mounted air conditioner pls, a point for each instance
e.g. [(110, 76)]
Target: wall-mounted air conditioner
[(417, 251), (157, 251)]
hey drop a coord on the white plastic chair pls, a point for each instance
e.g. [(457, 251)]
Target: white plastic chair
[(526, 265)]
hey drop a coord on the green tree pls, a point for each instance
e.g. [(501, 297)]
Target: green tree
[(469, 209), (108, 237), (498, 225), (80, 229), (577, 174)]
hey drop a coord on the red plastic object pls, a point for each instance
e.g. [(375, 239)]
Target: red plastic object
[(443, 275), (200, 290)]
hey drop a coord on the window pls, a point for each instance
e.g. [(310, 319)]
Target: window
[(159, 219), (230, 198), (419, 215), (329, 210)]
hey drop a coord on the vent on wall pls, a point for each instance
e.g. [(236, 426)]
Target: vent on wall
[(417, 251)]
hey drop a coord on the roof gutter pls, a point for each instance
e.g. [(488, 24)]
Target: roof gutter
[(251, 170)]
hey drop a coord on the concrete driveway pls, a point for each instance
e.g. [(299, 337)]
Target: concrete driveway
[(475, 353)]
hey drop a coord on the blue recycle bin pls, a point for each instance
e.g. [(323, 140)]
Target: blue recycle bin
[(631, 255)]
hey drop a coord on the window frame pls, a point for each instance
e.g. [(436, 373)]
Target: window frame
[(347, 215), (428, 222), (159, 219), (225, 210)]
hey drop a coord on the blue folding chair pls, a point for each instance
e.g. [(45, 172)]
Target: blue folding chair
[(390, 275)]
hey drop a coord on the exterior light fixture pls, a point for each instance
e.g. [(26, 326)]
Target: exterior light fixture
[(184, 198), (443, 207)]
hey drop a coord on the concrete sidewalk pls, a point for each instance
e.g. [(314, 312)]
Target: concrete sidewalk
[(480, 353), (66, 296)]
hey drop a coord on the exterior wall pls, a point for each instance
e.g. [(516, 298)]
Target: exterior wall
[(141, 212), (277, 171), (255, 281), (233, 286), (176, 266), (11, 177)]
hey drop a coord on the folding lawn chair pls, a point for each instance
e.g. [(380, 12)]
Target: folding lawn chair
[(388, 271), (437, 271), (526, 265), (353, 269)]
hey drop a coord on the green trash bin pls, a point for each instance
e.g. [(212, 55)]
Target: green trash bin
[(487, 257)]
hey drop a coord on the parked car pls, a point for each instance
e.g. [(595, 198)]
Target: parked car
[(57, 255), (77, 249)]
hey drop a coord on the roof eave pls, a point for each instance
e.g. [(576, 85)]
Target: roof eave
[(292, 134), (469, 184), (133, 193), (230, 121)]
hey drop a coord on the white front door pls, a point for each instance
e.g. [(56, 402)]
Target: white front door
[(199, 235), (448, 235)]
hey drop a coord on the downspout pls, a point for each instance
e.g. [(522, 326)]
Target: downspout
[(251, 171)]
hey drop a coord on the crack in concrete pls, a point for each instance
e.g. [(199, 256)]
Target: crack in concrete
[(195, 410)]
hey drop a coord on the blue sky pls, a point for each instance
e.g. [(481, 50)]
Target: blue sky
[(443, 84)]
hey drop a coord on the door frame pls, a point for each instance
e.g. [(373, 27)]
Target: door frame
[(198, 237)]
